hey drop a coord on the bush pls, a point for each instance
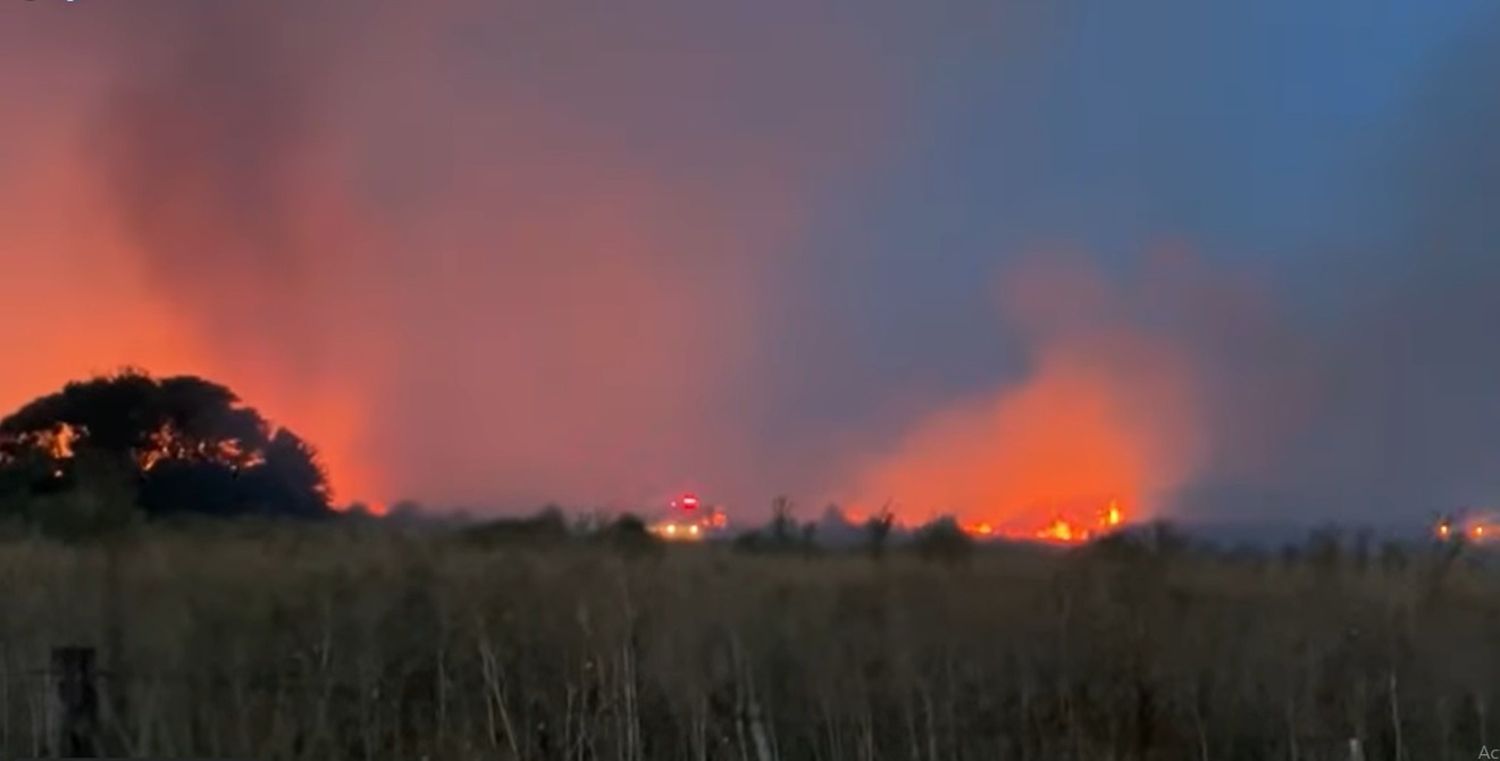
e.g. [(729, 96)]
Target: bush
[(942, 539)]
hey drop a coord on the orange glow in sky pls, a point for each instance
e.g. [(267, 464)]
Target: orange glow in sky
[(1104, 423)]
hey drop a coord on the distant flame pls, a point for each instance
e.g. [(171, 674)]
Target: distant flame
[(1059, 530), (59, 442), (1104, 426)]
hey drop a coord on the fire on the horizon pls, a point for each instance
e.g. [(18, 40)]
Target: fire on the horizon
[(1061, 528)]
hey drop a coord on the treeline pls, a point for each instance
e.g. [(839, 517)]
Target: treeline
[(117, 449), (363, 641)]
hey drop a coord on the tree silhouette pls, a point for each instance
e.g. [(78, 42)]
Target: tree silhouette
[(190, 444)]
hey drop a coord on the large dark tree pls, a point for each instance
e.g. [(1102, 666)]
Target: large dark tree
[(189, 444)]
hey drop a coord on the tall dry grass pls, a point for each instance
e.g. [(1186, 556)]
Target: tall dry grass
[(365, 643)]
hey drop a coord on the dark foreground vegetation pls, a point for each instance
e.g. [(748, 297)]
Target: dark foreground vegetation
[(108, 451), (358, 640)]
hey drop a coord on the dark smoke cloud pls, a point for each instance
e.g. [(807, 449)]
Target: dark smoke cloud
[(206, 141), (481, 253)]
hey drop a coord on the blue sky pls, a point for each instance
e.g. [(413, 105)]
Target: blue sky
[(1273, 138)]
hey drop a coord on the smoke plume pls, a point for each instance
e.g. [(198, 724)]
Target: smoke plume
[(490, 254), (480, 254), (1105, 411)]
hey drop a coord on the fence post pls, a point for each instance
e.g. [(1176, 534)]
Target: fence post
[(76, 701)]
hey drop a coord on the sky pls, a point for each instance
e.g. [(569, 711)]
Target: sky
[(986, 259)]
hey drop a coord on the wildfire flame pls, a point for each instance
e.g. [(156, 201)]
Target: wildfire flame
[(1104, 426), (59, 443), (1060, 529)]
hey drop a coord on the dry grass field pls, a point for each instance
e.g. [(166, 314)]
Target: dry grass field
[(363, 642)]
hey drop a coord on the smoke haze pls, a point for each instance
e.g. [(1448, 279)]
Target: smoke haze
[(492, 255), (1106, 412)]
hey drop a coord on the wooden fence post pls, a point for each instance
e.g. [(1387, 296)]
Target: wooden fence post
[(76, 702)]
